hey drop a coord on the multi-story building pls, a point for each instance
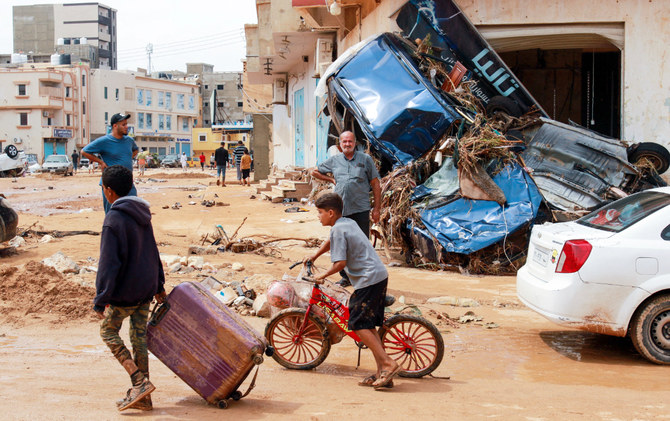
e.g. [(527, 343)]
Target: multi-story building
[(162, 112), (85, 30), (45, 109), (221, 92)]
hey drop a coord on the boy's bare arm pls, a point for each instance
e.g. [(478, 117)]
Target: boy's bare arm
[(324, 248), (336, 268)]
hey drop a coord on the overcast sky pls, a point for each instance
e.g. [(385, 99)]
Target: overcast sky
[(182, 31)]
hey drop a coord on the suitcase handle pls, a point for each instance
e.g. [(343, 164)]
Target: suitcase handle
[(159, 311)]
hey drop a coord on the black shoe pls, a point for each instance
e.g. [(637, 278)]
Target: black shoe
[(344, 282)]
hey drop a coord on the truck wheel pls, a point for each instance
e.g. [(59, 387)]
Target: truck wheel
[(11, 151), (656, 154), (503, 105)]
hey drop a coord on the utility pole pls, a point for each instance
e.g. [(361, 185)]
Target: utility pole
[(150, 50)]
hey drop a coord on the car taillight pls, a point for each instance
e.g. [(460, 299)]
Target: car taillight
[(573, 256)]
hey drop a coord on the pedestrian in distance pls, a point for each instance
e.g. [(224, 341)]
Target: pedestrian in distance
[(202, 160), (245, 165), (237, 153), (130, 275), (75, 161), (184, 161), (221, 159), (354, 175), (142, 161), (212, 162), (116, 148), (350, 250)]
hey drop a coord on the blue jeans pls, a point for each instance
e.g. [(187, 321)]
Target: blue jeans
[(221, 172), (106, 205)]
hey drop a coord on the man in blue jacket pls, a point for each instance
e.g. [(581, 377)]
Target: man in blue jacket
[(130, 275)]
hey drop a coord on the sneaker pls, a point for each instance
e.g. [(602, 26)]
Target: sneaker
[(344, 282), (136, 393), (218, 182), (143, 404)]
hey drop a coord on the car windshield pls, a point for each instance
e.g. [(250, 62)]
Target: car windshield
[(625, 212), (56, 158)]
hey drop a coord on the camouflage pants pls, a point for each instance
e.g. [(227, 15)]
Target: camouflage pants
[(111, 325)]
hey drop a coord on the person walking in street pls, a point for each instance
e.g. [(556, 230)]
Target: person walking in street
[(202, 160), (212, 162), (75, 161), (354, 175), (245, 165), (238, 152), (184, 161), (221, 159), (130, 275), (142, 161), (116, 148)]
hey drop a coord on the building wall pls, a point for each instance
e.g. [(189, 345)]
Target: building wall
[(51, 95), (129, 85), (645, 69), (34, 28), (37, 28)]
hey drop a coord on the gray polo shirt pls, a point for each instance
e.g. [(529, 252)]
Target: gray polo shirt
[(352, 179), (347, 242)]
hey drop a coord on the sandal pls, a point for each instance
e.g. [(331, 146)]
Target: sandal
[(386, 377), (368, 382)]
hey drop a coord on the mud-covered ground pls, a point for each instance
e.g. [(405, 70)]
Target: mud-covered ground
[(510, 364)]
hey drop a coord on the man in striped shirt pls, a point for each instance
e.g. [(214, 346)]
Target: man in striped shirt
[(237, 153)]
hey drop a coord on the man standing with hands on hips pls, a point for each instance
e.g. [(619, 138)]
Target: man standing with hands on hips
[(116, 148), (354, 175)]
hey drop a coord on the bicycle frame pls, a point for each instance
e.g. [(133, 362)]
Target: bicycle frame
[(333, 308)]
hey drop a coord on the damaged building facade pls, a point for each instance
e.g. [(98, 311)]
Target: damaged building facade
[(586, 65)]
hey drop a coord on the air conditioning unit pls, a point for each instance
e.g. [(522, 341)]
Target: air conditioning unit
[(279, 90), (46, 113), (323, 56)]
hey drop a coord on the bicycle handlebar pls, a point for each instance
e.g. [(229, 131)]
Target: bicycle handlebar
[(313, 280)]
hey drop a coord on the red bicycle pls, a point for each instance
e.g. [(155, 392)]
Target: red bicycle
[(301, 339)]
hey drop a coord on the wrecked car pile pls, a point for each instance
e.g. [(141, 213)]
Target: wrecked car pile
[(465, 173)]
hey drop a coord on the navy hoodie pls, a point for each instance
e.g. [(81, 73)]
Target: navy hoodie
[(129, 271)]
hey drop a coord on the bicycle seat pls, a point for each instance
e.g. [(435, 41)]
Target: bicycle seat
[(389, 300)]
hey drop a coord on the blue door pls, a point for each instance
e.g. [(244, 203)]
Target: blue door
[(60, 148), (50, 148), (299, 127), (322, 124), (186, 148)]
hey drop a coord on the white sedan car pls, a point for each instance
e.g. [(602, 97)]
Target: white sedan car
[(608, 272)]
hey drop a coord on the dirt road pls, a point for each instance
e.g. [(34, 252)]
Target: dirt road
[(511, 364)]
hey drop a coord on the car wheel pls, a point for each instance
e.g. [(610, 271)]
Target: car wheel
[(503, 105), (650, 330), (656, 154), (11, 151)]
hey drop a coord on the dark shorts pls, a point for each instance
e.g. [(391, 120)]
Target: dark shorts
[(366, 306), (245, 173)]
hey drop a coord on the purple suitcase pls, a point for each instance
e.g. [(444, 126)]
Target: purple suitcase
[(202, 341)]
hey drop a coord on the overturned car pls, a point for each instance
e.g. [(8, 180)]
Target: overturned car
[(469, 163)]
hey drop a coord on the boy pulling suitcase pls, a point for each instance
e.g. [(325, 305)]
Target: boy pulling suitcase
[(130, 275)]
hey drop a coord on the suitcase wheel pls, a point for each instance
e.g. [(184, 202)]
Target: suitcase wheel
[(236, 395), (258, 359), (222, 404)]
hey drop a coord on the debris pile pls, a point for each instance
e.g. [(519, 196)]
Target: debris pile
[(35, 288)]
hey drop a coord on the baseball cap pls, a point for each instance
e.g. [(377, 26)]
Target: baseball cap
[(118, 117)]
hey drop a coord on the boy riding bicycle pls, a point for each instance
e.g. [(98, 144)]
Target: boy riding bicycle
[(350, 250)]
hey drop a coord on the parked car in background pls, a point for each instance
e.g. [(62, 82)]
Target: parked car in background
[(84, 162), (59, 164), (12, 162), (9, 220), (170, 161), (607, 272)]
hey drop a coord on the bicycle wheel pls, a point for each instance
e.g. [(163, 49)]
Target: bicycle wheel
[(414, 342), (300, 352)]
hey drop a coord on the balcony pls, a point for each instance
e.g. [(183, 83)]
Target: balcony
[(104, 20), (104, 53)]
